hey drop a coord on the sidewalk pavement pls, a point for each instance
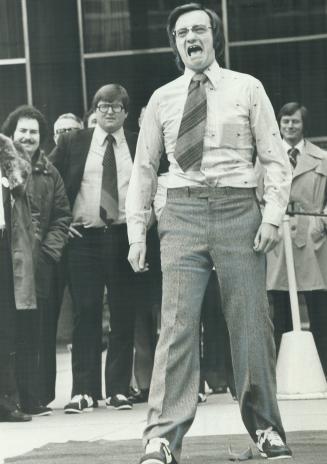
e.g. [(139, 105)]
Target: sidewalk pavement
[(218, 416)]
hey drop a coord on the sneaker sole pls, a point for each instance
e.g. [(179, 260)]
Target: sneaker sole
[(77, 411), (152, 461), (274, 458), (120, 408), (42, 414)]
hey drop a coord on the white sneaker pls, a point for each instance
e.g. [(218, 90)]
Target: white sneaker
[(271, 445), (157, 452), (79, 404)]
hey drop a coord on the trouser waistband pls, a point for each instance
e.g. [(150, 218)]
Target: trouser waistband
[(208, 192)]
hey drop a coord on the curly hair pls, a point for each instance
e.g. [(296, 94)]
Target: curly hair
[(216, 24), (29, 112)]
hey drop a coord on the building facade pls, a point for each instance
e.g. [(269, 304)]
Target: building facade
[(55, 54)]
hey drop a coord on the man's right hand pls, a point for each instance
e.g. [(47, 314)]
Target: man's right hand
[(72, 232), (136, 257)]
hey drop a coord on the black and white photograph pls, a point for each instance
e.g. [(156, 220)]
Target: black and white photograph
[(163, 231)]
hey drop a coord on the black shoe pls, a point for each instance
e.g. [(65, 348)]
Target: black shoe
[(271, 445), (140, 396), (157, 452), (38, 410), (118, 402), (14, 416), (79, 404)]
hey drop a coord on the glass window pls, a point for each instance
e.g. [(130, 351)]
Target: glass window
[(290, 72), (113, 25), (11, 30), (13, 89), (266, 19), (137, 73)]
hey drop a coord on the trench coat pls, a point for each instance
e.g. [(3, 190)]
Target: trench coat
[(308, 233)]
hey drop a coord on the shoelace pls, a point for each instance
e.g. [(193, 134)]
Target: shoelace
[(154, 446), (270, 435), (77, 398)]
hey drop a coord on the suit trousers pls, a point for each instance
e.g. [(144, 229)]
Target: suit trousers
[(147, 318), (96, 260), (202, 227), (215, 359)]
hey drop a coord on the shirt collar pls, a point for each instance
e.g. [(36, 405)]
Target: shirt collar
[(101, 135), (213, 72), (299, 146)]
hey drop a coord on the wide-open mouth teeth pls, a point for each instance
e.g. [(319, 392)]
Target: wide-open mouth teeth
[(193, 49)]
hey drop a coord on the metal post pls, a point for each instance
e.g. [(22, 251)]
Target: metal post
[(82, 58), (291, 274), (27, 54), (224, 8)]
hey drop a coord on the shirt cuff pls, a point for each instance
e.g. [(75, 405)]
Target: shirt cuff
[(136, 234), (273, 214)]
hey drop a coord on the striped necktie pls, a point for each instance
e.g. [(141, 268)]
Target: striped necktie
[(109, 189), (189, 144), (292, 154)]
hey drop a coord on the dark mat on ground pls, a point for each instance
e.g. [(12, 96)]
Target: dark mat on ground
[(308, 448)]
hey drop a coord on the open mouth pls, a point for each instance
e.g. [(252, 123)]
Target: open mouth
[(194, 50)]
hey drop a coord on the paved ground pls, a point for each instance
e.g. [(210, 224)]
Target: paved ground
[(219, 416)]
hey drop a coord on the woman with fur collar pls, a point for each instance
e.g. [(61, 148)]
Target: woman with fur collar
[(17, 289)]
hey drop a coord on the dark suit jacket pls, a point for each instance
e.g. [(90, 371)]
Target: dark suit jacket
[(70, 155)]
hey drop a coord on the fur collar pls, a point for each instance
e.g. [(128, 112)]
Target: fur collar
[(15, 163)]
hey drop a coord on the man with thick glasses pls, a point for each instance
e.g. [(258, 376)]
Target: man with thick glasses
[(209, 120), (96, 165)]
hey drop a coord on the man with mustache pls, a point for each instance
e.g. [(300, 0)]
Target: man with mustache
[(208, 121), (51, 217)]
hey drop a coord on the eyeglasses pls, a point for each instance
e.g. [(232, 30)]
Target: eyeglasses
[(198, 29), (68, 129), (115, 107)]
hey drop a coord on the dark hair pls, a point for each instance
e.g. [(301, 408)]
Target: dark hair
[(109, 93), (28, 112), (289, 109), (216, 24)]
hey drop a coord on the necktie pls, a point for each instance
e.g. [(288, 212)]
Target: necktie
[(109, 190), (292, 154), (189, 144)]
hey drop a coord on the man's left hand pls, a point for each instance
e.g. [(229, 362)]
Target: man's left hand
[(266, 238)]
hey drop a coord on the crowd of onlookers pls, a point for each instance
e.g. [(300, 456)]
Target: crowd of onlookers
[(63, 223)]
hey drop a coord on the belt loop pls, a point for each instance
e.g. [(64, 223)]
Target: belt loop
[(188, 191)]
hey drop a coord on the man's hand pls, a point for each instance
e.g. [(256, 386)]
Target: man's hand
[(136, 257), (72, 232), (266, 238)]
